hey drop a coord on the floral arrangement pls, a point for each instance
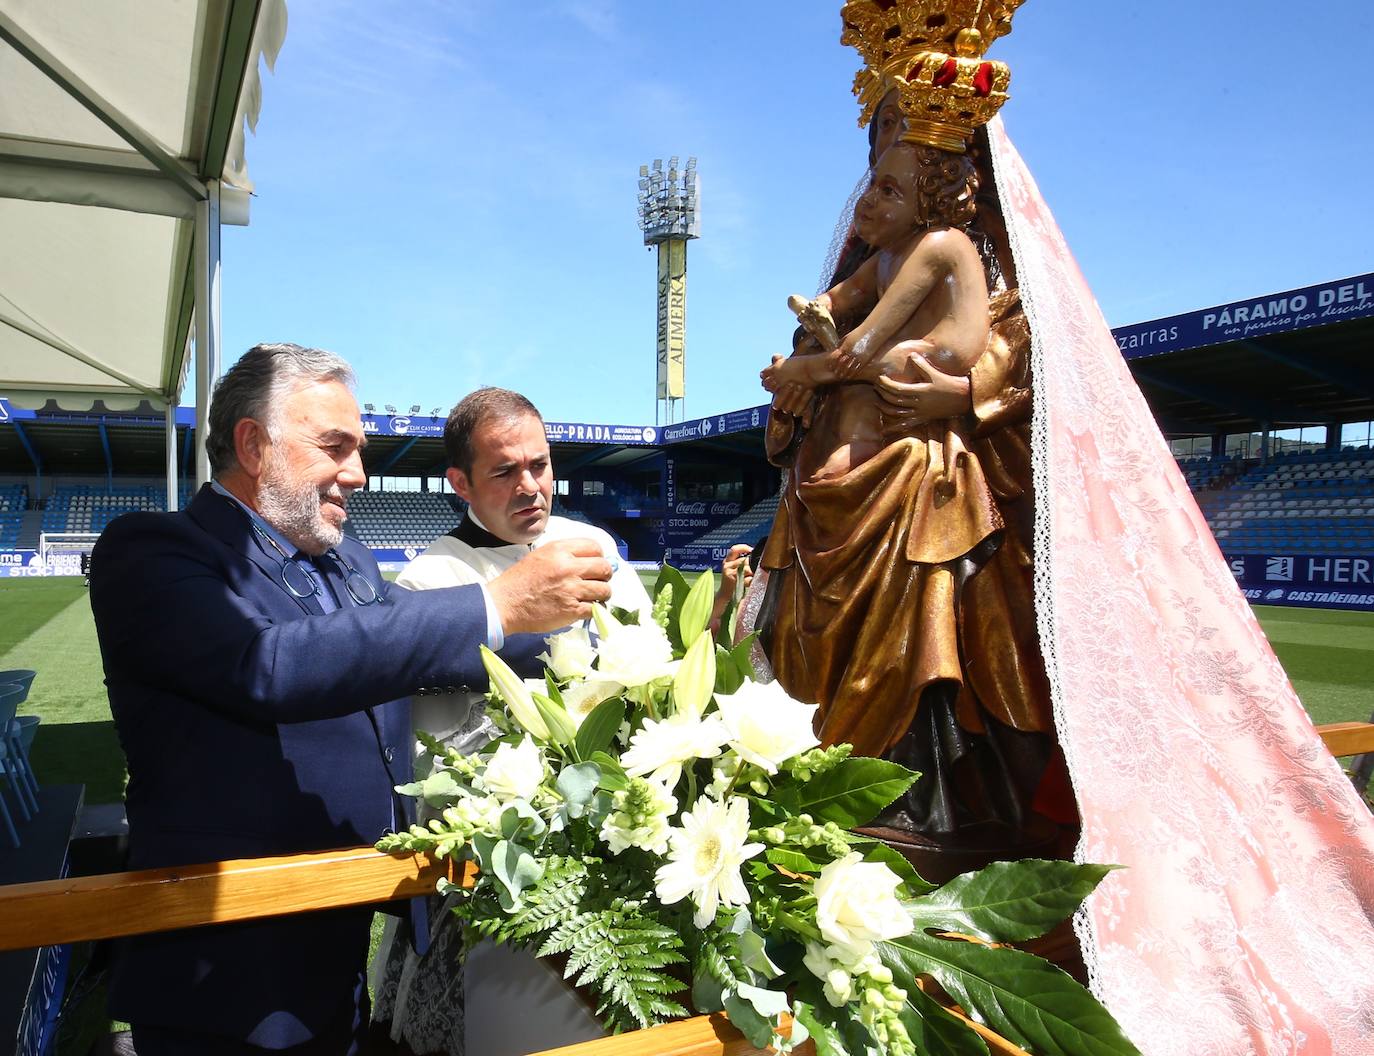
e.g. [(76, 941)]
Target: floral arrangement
[(673, 829)]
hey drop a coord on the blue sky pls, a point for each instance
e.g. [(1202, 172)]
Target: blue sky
[(446, 188)]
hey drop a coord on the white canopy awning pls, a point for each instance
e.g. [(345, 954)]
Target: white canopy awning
[(118, 122)]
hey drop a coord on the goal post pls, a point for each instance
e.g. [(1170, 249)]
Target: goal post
[(61, 552)]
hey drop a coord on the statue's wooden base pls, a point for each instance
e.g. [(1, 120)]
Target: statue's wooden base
[(982, 845)]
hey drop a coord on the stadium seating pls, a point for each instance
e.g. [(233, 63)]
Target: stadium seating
[(90, 507), (1301, 502), (749, 527), (401, 518)]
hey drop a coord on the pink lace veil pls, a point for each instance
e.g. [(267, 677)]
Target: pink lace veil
[(1241, 922)]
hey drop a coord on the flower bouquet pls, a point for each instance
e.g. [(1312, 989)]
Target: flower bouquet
[(674, 830)]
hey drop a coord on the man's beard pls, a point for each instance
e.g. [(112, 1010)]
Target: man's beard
[(294, 509)]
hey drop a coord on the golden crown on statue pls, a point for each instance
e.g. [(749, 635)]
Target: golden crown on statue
[(931, 51)]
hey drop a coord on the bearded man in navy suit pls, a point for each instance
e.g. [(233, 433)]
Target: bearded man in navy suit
[(259, 671)]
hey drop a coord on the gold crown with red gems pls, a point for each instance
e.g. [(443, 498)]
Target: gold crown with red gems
[(931, 51)]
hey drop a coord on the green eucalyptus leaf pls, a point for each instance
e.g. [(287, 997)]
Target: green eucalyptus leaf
[(696, 609), (519, 820), (440, 788), (515, 868), (577, 785), (598, 728), (753, 954), (1008, 901), (854, 792), (754, 1011), (935, 1032), (708, 995), (1028, 1001)]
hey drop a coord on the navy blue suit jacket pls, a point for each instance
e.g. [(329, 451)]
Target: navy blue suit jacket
[(256, 724)]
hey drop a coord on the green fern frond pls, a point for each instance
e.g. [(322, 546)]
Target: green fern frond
[(620, 957)]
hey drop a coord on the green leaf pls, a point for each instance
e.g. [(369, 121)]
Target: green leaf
[(799, 859), (519, 820), (1028, 1001), (613, 777), (875, 851), (669, 576), (598, 729), (696, 609), (855, 792), (577, 785), (819, 1021), (1009, 901), (935, 1032), (515, 868), (708, 993), (625, 617), (753, 953), (733, 668), (754, 1012)]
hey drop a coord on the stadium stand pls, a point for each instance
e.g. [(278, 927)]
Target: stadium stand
[(14, 501), (401, 518), (90, 507), (749, 527), (1305, 501)]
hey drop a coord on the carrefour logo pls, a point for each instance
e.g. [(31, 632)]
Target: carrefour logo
[(706, 427)]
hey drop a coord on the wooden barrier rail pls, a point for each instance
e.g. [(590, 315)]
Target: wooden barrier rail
[(1347, 738), (52, 912)]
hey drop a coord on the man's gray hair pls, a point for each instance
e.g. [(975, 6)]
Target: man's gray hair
[(255, 387)]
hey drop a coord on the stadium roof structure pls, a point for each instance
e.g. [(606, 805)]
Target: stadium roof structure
[(121, 152), (1285, 360)]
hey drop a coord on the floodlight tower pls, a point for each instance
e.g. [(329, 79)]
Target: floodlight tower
[(668, 217)]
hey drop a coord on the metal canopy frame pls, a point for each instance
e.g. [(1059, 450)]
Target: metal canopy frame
[(152, 180)]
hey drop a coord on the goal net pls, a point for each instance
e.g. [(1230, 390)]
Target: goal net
[(61, 552)]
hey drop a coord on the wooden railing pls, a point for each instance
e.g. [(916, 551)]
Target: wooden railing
[(79, 909)]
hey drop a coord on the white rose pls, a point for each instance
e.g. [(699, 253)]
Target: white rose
[(581, 698), (856, 904), (514, 771), (570, 654), (767, 726), (634, 655)]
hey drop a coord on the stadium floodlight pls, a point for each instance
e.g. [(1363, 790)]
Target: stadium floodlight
[(414, 408), (389, 409), (369, 408), (436, 412)]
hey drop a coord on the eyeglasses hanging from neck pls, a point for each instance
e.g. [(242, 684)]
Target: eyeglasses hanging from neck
[(301, 584)]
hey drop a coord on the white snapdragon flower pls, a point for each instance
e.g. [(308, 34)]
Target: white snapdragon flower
[(581, 698), (570, 654), (639, 818), (767, 726), (481, 812), (661, 746), (705, 858), (634, 654), (856, 904), (514, 771), (843, 970)]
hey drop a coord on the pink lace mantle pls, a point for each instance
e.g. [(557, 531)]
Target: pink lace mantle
[(1242, 921)]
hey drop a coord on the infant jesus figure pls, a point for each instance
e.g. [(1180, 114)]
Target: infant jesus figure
[(922, 293)]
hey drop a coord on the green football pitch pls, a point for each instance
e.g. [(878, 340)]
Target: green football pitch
[(46, 625)]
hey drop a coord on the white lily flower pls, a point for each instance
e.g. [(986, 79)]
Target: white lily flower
[(581, 698), (767, 726), (514, 692), (705, 858)]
